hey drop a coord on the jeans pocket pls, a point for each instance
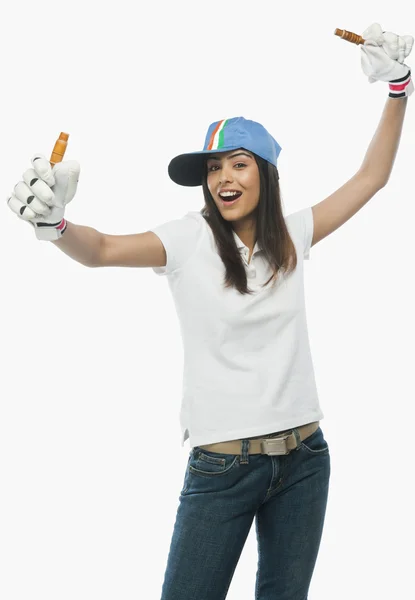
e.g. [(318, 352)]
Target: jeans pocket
[(211, 464), (315, 443)]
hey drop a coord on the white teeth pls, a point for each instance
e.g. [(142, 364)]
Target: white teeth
[(225, 194)]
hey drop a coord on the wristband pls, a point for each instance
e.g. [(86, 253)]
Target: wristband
[(50, 231), (62, 227), (401, 88)]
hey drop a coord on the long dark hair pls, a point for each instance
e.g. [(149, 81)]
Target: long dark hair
[(272, 234)]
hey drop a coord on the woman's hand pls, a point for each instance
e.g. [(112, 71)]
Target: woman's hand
[(383, 54)]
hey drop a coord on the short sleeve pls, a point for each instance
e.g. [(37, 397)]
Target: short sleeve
[(301, 228), (180, 239)]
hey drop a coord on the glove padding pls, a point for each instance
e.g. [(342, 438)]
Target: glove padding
[(383, 53), (40, 199)]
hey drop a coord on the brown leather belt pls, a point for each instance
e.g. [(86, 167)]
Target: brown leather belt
[(273, 444)]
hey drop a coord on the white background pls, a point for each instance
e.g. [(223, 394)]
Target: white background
[(91, 465)]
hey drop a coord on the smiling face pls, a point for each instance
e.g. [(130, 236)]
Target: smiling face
[(230, 172)]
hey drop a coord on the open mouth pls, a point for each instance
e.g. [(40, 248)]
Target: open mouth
[(229, 198)]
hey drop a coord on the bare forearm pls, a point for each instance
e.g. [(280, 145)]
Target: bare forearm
[(81, 243), (380, 155)]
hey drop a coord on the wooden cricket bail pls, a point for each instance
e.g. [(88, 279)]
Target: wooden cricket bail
[(59, 148), (349, 36)]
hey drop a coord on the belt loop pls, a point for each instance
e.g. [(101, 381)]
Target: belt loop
[(297, 438), (245, 452)]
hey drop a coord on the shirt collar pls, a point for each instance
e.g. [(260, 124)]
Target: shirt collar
[(241, 246)]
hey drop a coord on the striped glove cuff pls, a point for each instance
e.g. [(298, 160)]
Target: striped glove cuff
[(50, 231), (399, 88)]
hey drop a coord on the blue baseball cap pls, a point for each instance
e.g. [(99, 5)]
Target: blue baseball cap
[(222, 136)]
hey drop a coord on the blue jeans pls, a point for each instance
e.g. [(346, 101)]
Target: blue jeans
[(221, 496)]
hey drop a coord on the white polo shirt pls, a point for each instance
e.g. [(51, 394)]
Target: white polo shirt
[(248, 369)]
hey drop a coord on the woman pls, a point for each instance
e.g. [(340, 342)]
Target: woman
[(250, 405)]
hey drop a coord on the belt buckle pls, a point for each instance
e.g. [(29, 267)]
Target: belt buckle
[(275, 446)]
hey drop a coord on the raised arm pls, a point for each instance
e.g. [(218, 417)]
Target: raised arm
[(379, 62)]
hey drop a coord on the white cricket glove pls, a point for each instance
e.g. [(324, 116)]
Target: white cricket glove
[(40, 199), (382, 57)]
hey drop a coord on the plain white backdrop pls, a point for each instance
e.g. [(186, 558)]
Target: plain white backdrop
[(91, 465)]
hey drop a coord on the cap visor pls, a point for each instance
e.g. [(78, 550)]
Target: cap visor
[(188, 169)]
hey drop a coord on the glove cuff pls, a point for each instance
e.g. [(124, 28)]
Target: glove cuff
[(402, 87), (50, 231)]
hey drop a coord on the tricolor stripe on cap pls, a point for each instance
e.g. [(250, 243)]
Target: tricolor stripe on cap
[(217, 139)]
